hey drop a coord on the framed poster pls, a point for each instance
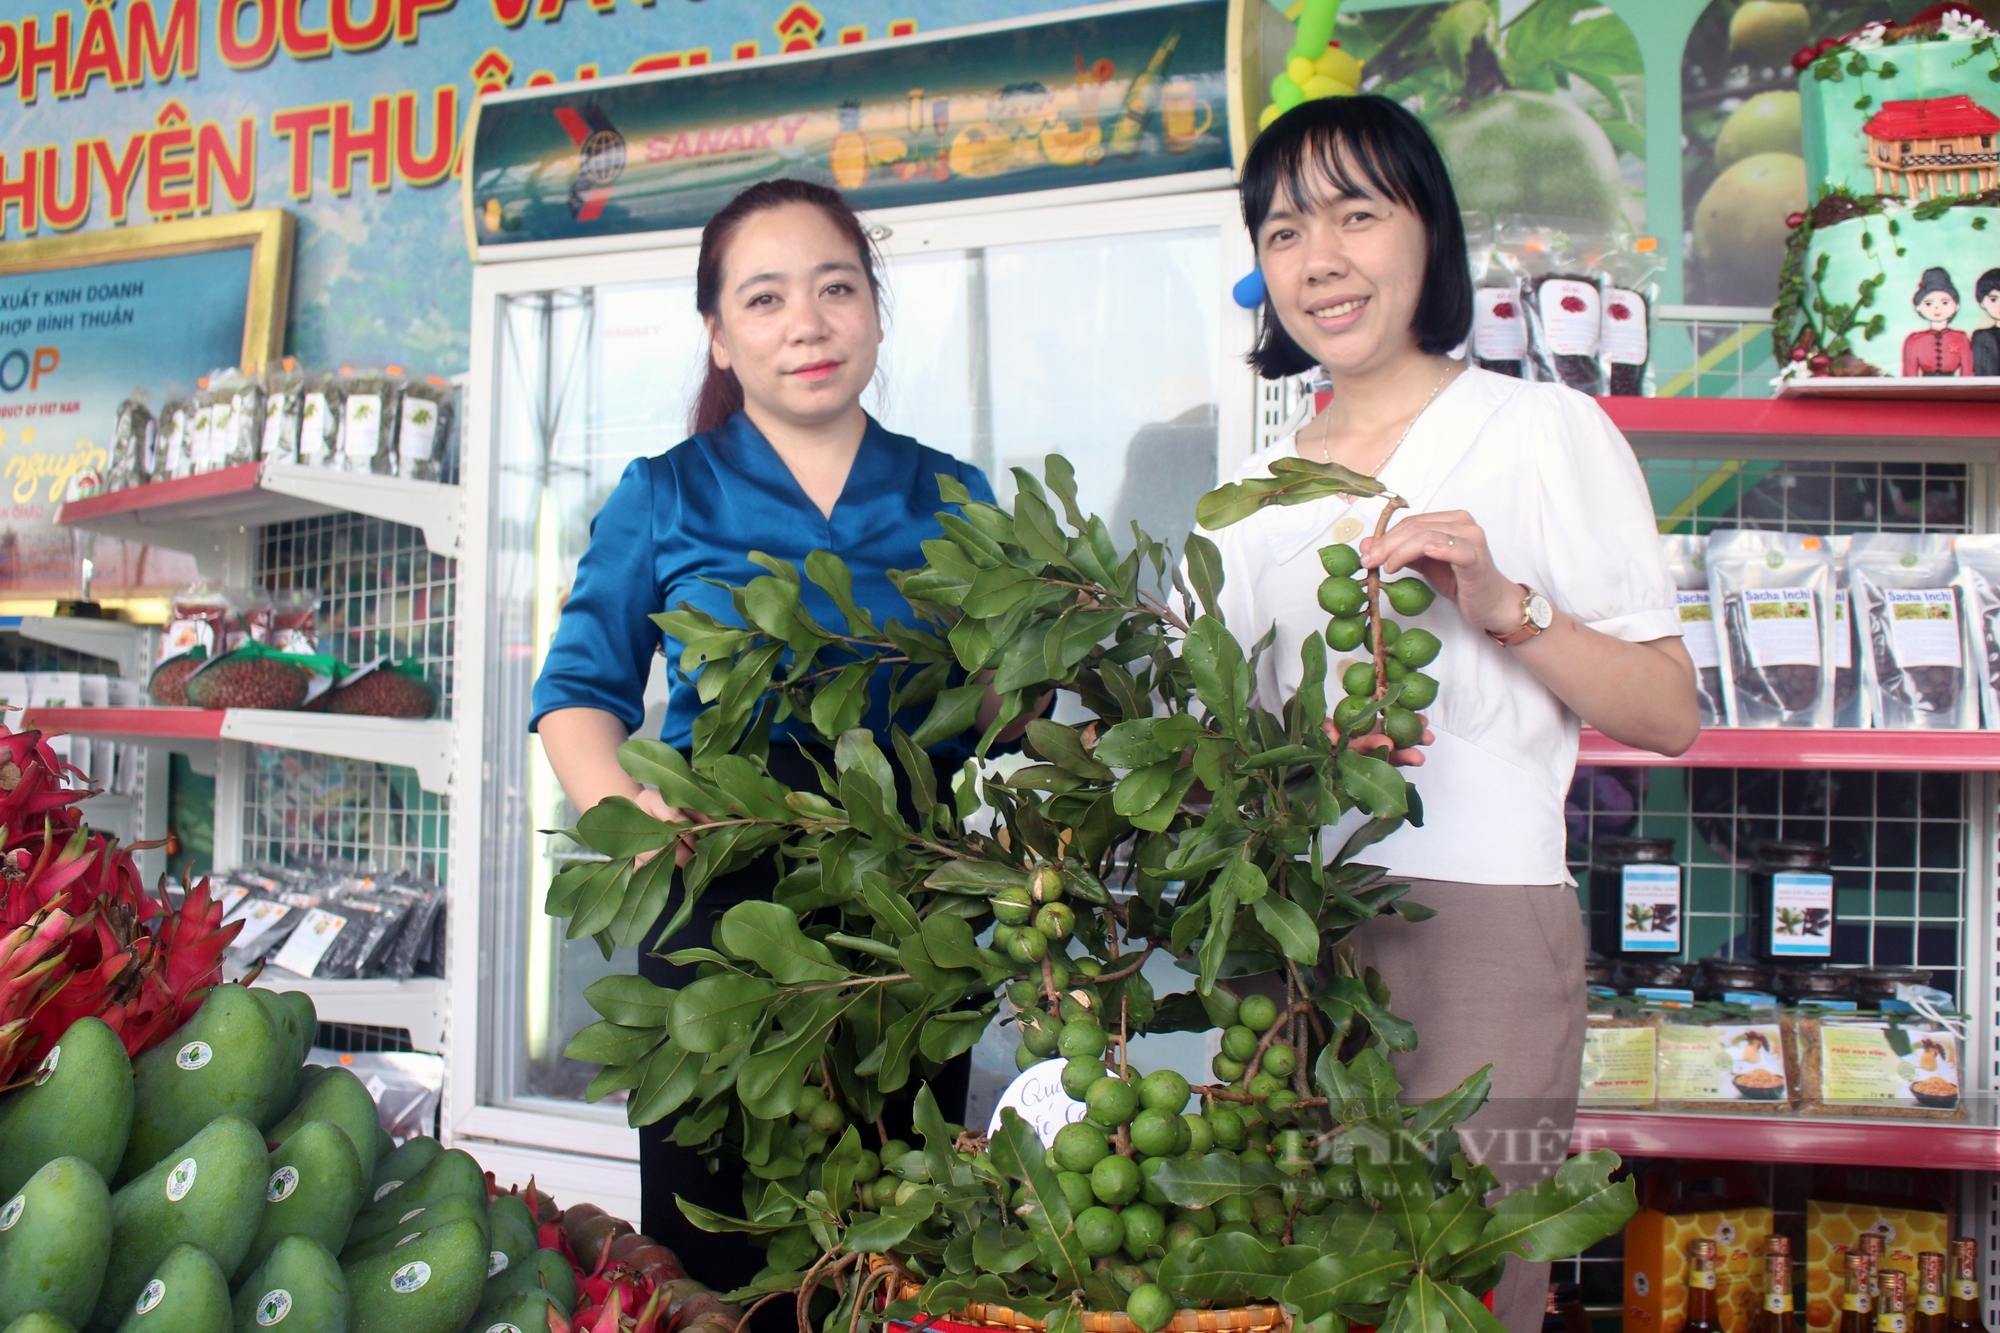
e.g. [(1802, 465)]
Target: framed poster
[(87, 321)]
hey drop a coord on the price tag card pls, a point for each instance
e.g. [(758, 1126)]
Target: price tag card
[(309, 943)]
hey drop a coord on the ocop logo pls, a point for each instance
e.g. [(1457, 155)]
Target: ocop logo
[(274, 1307), (49, 1063), (10, 1212), (283, 1181), (410, 1277), (150, 1297), (20, 365), (194, 1055)]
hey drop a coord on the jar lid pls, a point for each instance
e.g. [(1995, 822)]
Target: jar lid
[(1788, 854), (1618, 851)]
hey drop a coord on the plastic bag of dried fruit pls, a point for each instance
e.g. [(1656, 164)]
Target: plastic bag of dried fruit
[(1625, 338), (423, 427), (1910, 612), (168, 683), (252, 676), (1773, 594), (1559, 272), (381, 689)]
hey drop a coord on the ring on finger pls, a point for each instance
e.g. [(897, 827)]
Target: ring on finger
[(1450, 540)]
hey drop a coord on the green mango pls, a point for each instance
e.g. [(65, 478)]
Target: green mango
[(314, 1189), (299, 1288), (186, 1294), (40, 1321), (292, 1043), (79, 1105), (209, 1192), (450, 1172), (508, 1239), (431, 1285), (419, 1218), (54, 1237), (223, 1061), (384, 1145), (402, 1164), (339, 1098), (546, 1269), (516, 1207), (523, 1312)]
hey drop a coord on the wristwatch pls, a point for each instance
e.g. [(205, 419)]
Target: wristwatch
[(1536, 616)]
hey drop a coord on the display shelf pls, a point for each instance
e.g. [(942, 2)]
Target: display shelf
[(1750, 747), (129, 646), (426, 746), (199, 514), (417, 1006), (1759, 424), (1899, 388), (1940, 1145)]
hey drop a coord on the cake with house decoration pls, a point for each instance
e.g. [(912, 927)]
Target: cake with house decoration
[(1894, 268)]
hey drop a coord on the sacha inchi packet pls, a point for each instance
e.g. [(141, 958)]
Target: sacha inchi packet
[(1978, 578), (1687, 561), (1850, 701), (1907, 608), (1773, 595)]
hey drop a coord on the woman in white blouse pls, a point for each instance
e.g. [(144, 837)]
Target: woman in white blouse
[(1529, 518)]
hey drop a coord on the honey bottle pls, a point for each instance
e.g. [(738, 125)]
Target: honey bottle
[(1963, 1314), (1930, 1302), (1854, 1302), (1775, 1315), (1702, 1316), (1891, 1316)]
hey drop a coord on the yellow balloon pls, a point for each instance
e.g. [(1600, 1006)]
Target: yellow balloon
[(1319, 86), (1269, 114), (1300, 69), (1336, 64)]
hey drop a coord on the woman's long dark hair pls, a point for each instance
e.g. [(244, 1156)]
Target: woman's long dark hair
[(721, 397), (1392, 153)]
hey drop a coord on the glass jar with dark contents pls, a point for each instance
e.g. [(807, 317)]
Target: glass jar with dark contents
[(1872, 985), (1720, 976), (1638, 971), (1791, 902), (1635, 898), (1804, 985)]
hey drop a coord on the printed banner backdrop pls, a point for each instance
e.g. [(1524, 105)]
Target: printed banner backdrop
[(1040, 107)]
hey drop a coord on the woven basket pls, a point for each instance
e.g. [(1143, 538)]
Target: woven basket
[(977, 1316)]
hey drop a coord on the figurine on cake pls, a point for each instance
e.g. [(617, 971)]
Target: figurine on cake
[(1900, 135), (1986, 341), (1939, 349)]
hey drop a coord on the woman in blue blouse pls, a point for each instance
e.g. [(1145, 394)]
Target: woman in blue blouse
[(783, 460)]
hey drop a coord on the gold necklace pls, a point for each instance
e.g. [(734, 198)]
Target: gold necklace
[(1326, 447)]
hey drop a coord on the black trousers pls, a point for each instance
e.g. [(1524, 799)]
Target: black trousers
[(727, 1260)]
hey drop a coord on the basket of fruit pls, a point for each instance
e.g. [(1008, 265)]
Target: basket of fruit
[(921, 910)]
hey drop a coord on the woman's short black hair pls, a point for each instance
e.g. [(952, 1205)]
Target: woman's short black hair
[(1322, 141)]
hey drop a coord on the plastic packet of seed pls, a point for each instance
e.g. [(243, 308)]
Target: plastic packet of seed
[(1773, 593), (1979, 576), (1687, 561), (1909, 608), (1850, 701)]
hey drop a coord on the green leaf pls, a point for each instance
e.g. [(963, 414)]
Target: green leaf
[(1345, 1280), (632, 1001), (841, 702), (874, 1233), (830, 572), (1284, 921), (769, 936), (887, 904), (949, 941), (978, 876), (1229, 1268), (598, 897), (1465, 1313), (646, 892), (948, 1036), (997, 591), (1563, 1215), (607, 1043), (660, 765), (1142, 788), (710, 1013), (1221, 676), (1440, 1113), (668, 1080), (952, 714), (1036, 530), (1221, 920), (1417, 1308), (618, 828), (1375, 784), (1064, 748), (1130, 745), (1018, 1154), (1393, 1170), (998, 1248), (1199, 1182), (1292, 481), (1454, 1222), (1204, 568), (769, 1082)]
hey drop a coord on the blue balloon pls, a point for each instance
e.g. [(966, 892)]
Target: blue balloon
[(1249, 289)]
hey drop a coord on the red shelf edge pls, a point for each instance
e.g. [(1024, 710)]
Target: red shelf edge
[(1747, 747), (1904, 419), (192, 724), (1940, 1146), (163, 494)]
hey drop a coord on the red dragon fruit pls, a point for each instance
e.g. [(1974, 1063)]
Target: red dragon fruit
[(31, 973), (127, 957)]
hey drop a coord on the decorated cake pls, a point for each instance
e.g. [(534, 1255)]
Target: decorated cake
[(1894, 269)]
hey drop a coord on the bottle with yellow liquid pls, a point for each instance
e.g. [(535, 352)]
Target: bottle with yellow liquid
[(1138, 98), (1776, 1315), (1929, 1314), (1855, 1306), (1891, 1314), (1963, 1314), (849, 155), (1702, 1315)]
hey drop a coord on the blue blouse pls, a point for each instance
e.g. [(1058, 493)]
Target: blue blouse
[(694, 513)]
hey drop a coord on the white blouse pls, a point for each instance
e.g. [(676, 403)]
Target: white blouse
[(1565, 510)]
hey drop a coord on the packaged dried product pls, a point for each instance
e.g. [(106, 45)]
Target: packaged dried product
[(1774, 594), (1978, 579), (380, 689), (294, 620), (171, 441), (237, 427), (284, 400), (366, 396), (252, 676), (248, 619), (168, 683), (195, 619), (423, 428), (1863, 1066), (131, 443), (1560, 279), (1625, 339), (1620, 1057), (194, 453), (1850, 701), (1687, 561), (1732, 1067), (320, 414), (1907, 608)]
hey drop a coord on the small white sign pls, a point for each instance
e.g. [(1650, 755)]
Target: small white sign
[(1038, 1097), (258, 918)]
